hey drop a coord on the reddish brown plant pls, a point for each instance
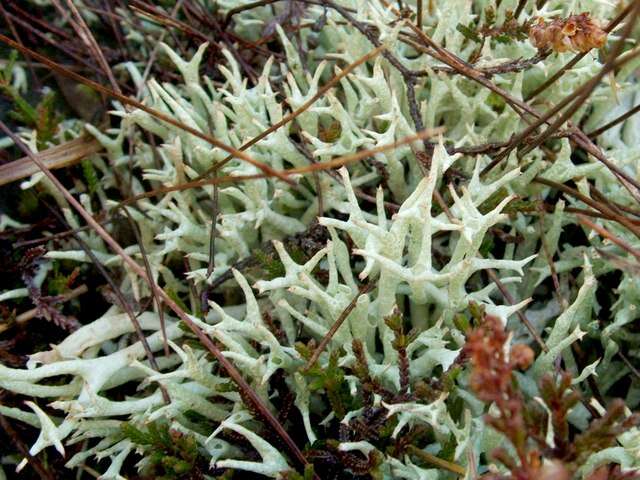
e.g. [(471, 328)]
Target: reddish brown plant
[(577, 33), (492, 381)]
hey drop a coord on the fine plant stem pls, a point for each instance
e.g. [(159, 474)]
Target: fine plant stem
[(336, 325), (438, 462)]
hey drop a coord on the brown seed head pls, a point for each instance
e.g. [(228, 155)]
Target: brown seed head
[(521, 356), (577, 33)]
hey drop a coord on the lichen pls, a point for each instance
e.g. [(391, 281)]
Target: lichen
[(421, 238)]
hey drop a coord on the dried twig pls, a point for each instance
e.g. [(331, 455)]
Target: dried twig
[(84, 32), (610, 236), (629, 365), (154, 52), (552, 267), (621, 118), (519, 8), (521, 316), (147, 268), (606, 210), (512, 66)]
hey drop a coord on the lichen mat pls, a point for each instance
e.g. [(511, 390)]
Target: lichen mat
[(459, 301)]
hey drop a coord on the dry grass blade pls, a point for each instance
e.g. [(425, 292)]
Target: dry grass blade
[(437, 461), (15, 34), (135, 103), (60, 156), (154, 52), (248, 393), (84, 32)]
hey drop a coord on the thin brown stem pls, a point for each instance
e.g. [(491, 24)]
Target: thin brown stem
[(519, 8), (629, 365), (336, 325), (609, 212), (437, 461), (147, 268), (599, 131), (154, 52), (552, 267), (521, 316), (84, 32), (15, 34), (610, 236)]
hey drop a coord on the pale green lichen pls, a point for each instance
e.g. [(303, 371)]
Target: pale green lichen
[(402, 255)]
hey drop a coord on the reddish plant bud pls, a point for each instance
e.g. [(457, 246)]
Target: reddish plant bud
[(577, 33), (521, 356)]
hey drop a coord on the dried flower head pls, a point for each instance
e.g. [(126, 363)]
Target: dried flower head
[(577, 33)]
